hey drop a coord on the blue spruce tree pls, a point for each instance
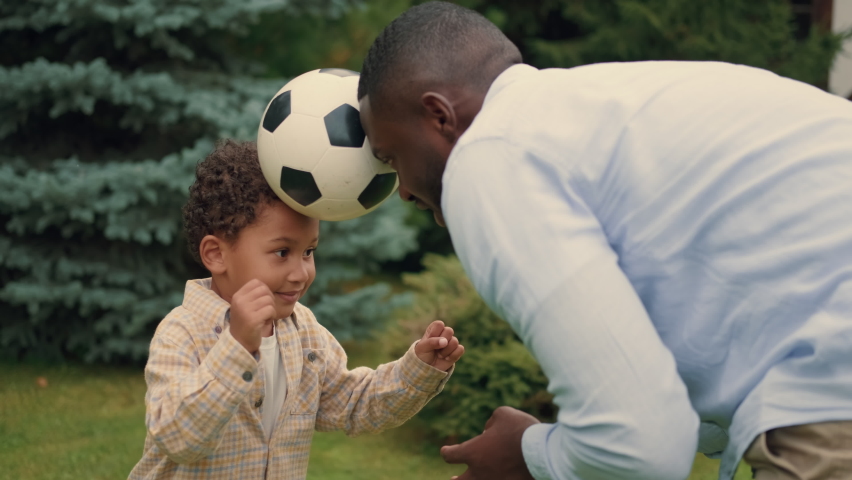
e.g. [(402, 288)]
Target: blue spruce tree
[(107, 107)]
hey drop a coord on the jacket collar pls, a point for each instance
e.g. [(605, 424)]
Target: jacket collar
[(200, 299)]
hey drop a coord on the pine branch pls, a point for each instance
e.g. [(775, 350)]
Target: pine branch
[(164, 99)]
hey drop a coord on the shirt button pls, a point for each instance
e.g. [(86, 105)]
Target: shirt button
[(312, 356), (258, 403), (218, 329), (247, 376)]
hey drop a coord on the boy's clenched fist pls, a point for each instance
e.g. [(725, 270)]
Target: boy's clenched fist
[(252, 314), (438, 347)]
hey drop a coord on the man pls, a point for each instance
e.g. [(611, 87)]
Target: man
[(671, 240)]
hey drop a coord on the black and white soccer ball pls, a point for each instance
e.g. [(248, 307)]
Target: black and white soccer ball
[(313, 150)]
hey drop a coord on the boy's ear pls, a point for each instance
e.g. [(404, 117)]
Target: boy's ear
[(211, 251)]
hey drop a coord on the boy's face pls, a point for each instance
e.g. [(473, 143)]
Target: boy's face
[(277, 249)]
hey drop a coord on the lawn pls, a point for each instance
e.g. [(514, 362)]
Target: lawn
[(88, 423)]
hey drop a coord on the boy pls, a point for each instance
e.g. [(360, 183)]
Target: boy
[(241, 374)]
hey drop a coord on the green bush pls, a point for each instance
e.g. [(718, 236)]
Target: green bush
[(496, 369)]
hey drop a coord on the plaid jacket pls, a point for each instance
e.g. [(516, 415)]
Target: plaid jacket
[(205, 395)]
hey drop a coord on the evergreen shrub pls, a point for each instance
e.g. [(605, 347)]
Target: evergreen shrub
[(496, 368)]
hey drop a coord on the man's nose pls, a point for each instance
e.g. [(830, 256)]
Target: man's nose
[(405, 194)]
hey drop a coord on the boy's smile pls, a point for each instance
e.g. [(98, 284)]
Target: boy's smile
[(277, 249)]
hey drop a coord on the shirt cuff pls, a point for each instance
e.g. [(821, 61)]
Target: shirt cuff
[(230, 363), (421, 376), (534, 447)]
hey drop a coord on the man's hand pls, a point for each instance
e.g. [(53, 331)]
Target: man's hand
[(497, 452), (438, 347), (252, 313)]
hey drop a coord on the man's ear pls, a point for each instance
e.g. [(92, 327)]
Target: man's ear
[(440, 114), (212, 253)]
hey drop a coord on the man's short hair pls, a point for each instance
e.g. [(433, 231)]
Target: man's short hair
[(228, 193), (452, 43)]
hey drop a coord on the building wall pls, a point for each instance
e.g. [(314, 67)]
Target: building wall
[(840, 79)]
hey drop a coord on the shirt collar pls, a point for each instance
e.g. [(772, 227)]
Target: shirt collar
[(507, 77)]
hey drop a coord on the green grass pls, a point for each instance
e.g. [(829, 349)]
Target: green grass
[(89, 423)]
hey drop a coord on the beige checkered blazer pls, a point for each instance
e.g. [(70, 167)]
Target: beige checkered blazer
[(205, 395)]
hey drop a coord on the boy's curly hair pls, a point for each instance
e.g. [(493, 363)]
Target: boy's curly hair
[(224, 199)]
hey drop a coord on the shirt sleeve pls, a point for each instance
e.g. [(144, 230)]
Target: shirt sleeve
[(189, 404), (364, 400), (540, 258)]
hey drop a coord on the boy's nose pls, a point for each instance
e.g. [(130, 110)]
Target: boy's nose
[(299, 274)]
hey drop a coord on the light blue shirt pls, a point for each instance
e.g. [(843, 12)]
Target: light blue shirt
[(673, 243)]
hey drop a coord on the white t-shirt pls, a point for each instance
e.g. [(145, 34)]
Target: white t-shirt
[(274, 381)]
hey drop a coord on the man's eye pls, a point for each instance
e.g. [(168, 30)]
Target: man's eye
[(282, 253)]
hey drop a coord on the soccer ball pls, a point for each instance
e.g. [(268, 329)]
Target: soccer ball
[(313, 150)]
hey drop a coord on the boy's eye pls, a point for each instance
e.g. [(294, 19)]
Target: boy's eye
[(310, 252), (282, 253)]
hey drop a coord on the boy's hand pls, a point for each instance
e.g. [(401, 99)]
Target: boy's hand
[(438, 347), (252, 312)]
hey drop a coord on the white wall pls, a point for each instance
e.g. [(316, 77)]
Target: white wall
[(840, 79)]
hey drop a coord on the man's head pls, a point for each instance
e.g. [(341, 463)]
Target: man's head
[(240, 230), (422, 83)]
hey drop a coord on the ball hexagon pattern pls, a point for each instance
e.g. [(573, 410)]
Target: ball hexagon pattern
[(313, 150), (301, 142), (339, 178)]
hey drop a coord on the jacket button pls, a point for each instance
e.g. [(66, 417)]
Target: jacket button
[(258, 403), (247, 376), (218, 329), (312, 356)]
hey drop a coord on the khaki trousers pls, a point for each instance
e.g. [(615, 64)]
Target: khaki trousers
[(816, 451)]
